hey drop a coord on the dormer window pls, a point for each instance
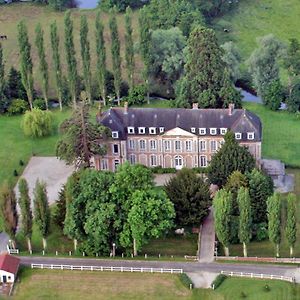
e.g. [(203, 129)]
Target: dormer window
[(152, 130), (238, 136), (250, 135), (213, 131), (223, 131), (130, 130), (161, 129), (115, 134), (202, 131), (142, 130), (193, 129)]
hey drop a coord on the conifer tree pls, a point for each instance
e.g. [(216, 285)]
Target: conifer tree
[(26, 213), (86, 57), (101, 58), (26, 61), (70, 56), (56, 62), (291, 224), (129, 50), (115, 53), (43, 67)]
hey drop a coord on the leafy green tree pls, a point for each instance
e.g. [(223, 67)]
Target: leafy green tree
[(41, 210), (291, 222), (191, 197), (204, 70), (293, 101), (232, 58), (115, 53), (26, 61), (260, 188), (85, 56), (222, 205), (81, 138), (37, 123), (129, 49), (57, 63), (26, 213), (149, 216), (2, 78), (43, 67), (60, 208), (70, 57), (245, 218), (137, 95), (101, 58), (121, 5), (274, 220), (58, 4), (230, 157), (274, 95)]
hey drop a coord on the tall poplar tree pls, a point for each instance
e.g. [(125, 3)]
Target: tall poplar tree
[(8, 211), (129, 50), (42, 210), (70, 56), (101, 57), (291, 224), (2, 78), (115, 53), (244, 203), (222, 205), (43, 67), (26, 213), (274, 220), (26, 61), (86, 57), (56, 62), (145, 46)]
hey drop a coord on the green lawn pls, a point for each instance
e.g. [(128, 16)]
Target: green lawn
[(53, 284)]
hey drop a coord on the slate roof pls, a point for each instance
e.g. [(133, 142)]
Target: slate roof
[(243, 121), (9, 263)]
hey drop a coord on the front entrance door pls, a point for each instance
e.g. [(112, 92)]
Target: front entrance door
[(178, 162), (4, 279)]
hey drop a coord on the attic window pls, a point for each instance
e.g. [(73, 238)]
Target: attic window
[(130, 130), (223, 131), (193, 129), (202, 131), (161, 129), (115, 134), (238, 136), (250, 135), (152, 130), (142, 130), (213, 131)]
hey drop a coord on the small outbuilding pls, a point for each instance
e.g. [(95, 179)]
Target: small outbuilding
[(9, 266)]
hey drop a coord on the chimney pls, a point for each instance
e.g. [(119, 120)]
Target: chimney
[(126, 107), (230, 109), (195, 105)]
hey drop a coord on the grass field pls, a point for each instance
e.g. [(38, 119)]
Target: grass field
[(33, 14), (46, 284)]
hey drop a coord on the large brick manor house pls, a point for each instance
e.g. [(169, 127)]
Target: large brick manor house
[(174, 137)]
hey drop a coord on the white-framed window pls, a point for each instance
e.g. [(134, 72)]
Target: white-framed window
[(250, 135), (132, 159), (178, 162), (167, 145), (213, 146), (104, 164), (130, 130), (213, 131), (152, 130), (153, 144), (202, 131), (153, 160), (203, 161), (161, 129), (115, 149), (115, 134), (193, 129), (142, 130), (142, 145), (116, 164), (202, 145), (177, 145), (223, 131), (131, 144), (188, 146), (238, 136)]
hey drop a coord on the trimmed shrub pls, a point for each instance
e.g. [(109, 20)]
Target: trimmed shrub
[(186, 280), (18, 107), (16, 173), (201, 170), (21, 162), (161, 170), (218, 281)]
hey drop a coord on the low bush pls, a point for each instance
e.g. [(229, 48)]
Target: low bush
[(40, 104), (161, 170), (218, 281), (261, 231), (16, 173), (200, 170), (186, 280), (21, 162), (18, 107)]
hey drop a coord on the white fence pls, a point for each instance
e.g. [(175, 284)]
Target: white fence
[(259, 276), (103, 268), (12, 251)]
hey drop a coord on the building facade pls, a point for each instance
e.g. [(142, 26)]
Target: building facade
[(174, 138)]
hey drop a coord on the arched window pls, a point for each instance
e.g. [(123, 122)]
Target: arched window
[(178, 162)]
